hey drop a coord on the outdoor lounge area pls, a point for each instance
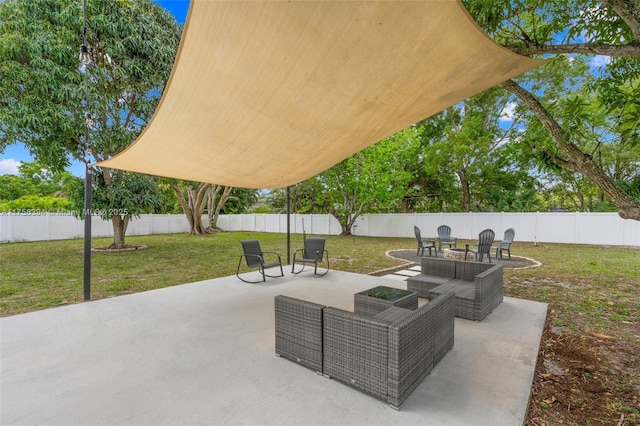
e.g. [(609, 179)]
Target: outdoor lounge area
[(385, 347), (204, 353), (478, 286)]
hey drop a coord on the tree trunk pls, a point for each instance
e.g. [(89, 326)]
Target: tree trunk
[(193, 206), (198, 227), (119, 231), (346, 229), (117, 222), (628, 207), (214, 208), (466, 193), (348, 219)]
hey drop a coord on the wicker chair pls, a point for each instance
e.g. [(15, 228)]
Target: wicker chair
[(312, 253), (505, 244), (478, 286), (255, 258), (445, 239), (386, 355), (299, 331), (389, 354)]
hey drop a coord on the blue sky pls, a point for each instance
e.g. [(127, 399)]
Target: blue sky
[(14, 154)]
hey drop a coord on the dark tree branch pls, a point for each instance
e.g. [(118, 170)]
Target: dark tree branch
[(631, 49), (628, 207), (629, 11)]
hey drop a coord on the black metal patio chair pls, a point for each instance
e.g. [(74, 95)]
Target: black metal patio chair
[(312, 253), (255, 258)]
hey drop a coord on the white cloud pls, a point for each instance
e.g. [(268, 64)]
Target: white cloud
[(599, 61), (9, 166), (503, 142), (508, 113)]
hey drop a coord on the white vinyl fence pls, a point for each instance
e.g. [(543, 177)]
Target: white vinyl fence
[(580, 228)]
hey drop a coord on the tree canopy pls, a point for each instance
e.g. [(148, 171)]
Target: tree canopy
[(61, 109), (555, 27)]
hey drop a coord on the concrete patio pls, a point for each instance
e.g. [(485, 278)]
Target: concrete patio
[(203, 353)]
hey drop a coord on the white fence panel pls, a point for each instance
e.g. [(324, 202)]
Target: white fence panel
[(223, 222), (141, 226), (260, 223), (397, 225), (324, 224), (271, 223), (524, 224), (362, 226), (557, 228), (599, 229), (462, 224), (630, 233), (582, 228), (26, 228), (378, 225), (235, 223)]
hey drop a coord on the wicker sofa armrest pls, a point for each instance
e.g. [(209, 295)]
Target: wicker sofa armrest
[(489, 291), (469, 270), (444, 315), (489, 282), (356, 350), (298, 331), (417, 342)]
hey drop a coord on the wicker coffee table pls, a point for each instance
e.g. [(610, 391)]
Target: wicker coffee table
[(375, 300)]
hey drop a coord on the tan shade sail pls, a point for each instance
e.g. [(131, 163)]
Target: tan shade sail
[(265, 94)]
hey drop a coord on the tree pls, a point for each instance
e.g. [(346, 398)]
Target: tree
[(60, 109), (13, 187), (432, 186), (471, 141), (304, 197), (194, 198), (45, 181), (127, 196), (218, 197), (470, 157), (36, 205), (371, 180), (554, 27), (36, 190), (240, 200)]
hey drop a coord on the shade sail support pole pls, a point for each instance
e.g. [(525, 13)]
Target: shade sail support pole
[(85, 60), (87, 231), (288, 225)]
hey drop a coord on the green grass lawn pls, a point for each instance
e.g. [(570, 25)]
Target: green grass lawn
[(38, 275), (593, 288)]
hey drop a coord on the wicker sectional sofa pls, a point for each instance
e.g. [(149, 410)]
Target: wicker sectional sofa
[(478, 287), (386, 355)]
